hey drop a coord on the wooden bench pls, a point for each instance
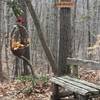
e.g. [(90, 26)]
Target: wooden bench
[(81, 89), (85, 89)]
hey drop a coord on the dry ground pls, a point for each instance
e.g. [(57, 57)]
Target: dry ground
[(18, 90)]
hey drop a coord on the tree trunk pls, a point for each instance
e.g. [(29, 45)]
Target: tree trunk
[(75, 68), (41, 37), (27, 53), (24, 66), (1, 43), (65, 49)]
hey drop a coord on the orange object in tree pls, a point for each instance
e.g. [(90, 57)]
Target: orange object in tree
[(16, 45)]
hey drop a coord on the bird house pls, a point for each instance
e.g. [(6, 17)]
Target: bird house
[(65, 4)]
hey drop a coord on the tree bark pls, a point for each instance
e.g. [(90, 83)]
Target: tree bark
[(88, 24), (65, 49), (26, 53), (75, 68), (1, 43)]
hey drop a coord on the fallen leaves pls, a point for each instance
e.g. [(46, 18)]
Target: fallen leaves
[(17, 90), (88, 75)]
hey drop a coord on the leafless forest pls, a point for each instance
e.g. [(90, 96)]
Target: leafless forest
[(85, 42)]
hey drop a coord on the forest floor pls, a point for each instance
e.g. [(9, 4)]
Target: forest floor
[(18, 90), (22, 90)]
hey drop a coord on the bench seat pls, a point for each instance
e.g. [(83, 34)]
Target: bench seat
[(77, 86)]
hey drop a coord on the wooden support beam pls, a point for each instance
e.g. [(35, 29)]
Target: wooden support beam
[(41, 36), (83, 97), (65, 94), (86, 63)]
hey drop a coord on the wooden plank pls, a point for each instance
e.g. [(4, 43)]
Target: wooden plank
[(85, 63), (78, 84), (65, 94), (70, 87), (83, 82), (83, 97)]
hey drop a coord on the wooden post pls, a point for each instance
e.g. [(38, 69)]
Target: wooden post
[(83, 97), (55, 94), (75, 71)]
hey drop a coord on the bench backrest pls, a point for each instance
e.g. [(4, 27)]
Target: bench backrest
[(86, 63)]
